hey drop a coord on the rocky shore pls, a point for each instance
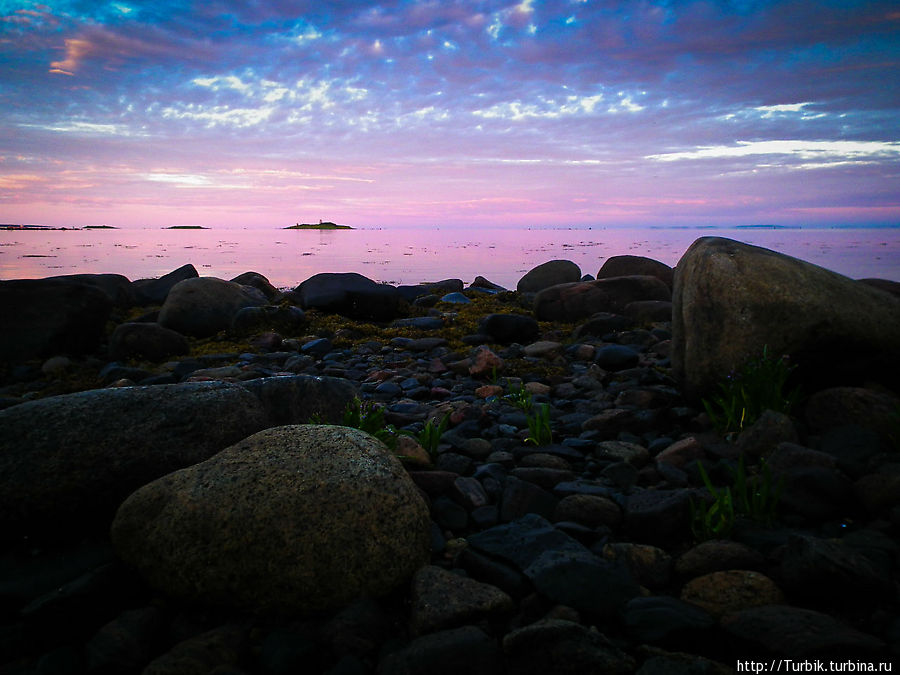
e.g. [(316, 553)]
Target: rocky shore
[(190, 479)]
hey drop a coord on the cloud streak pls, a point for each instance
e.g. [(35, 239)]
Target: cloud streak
[(502, 112)]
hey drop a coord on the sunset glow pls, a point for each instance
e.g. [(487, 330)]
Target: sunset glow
[(457, 113)]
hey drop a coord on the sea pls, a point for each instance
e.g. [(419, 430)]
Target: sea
[(409, 255)]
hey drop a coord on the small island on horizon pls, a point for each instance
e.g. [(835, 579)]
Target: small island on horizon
[(186, 227), (321, 225)]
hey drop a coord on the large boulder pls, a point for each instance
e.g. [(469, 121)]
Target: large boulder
[(117, 287), (576, 301), (42, 317), (203, 306), (298, 399), (351, 295), (632, 265), (258, 281), (145, 341), (732, 300), (549, 274), (292, 519), (154, 291), (65, 460)]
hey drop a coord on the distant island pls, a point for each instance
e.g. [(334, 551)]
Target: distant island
[(100, 227), (327, 225), (186, 227), (10, 226)]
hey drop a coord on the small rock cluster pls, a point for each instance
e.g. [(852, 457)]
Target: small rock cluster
[(206, 512)]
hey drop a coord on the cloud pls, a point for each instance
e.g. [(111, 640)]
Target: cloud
[(817, 153)]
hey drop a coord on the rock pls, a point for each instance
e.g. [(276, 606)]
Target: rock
[(658, 517), (588, 510), (257, 281), (548, 274), (116, 287), (879, 492), (507, 328), (56, 366), (481, 282), (853, 406), (248, 320), (47, 317), (522, 541), (817, 493), (206, 305), (765, 434), (154, 291), (148, 341), (458, 298), (616, 357), (717, 555), (209, 652), (631, 265), (521, 497), (459, 650), (351, 295), (795, 633), (127, 643), (634, 454), (293, 519), (649, 565), (485, 362), (575, 301), (648, 311), (300, 399), (559, 646), (731, 590), (441, 600), (732, 301), (67, 461), (679, 453), (600, 324), (664, 620), (659, 662)]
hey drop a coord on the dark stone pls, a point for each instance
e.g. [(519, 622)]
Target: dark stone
[(257, 281), (522, 541), (667, 621), (817, 493), (154, 291), (448, 514), (299, 399), (44, 317), (204, 306), (494, 572), (420, 322), (600, 324), (455, 298), (145, 341), (837, 407), (521, 497), (127, 643), (548, 274), (351, 295), (616, 357), (630, 265), (253, 319), (579, 300), (116, 287), (658, 517), (318, 347), (459, 650), (507, 328), (649, 311)]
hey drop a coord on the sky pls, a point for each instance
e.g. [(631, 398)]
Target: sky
[(450, 113)]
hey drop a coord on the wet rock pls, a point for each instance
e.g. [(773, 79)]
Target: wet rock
[(732, 300), (67, 459), (616, 357), (507, 328), (206, 305), (351, 295), (441, 600), (213, 651), (257, 281), (291, 519), (719, 593), (857, 407), (648, 311), (588, 510), (717, 555), (649, 565), (300, 399), (154, 291), (45, 317), (448, 652), (658, 517), (148, 341), (127, 643), (559, 646), (248, 320), (764, 435), (576, 301), (548, 274), (664, 620), (879, 492), (115, 286), (631, 265), (485, 362), (456, 298)]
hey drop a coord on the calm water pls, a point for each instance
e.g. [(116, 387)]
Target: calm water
[(407, 255)]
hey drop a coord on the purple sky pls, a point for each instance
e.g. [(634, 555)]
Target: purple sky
[(562, 112)]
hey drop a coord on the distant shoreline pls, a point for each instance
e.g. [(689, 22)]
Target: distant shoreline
[(318, 226)]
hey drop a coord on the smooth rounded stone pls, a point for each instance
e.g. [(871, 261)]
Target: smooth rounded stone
[(664, 620), (292, 519), (730, 591), (482, 283), (448, 514), (543, 349), (622, 474), (154, 291), (829, 573), (258, 318), (631, 265), (588, 510), (600, 324), (389, 389), (648, 311), (796, 633), (817, 494), (257, 281), (48, 317), (853, 406), (434, 483), (215, 651), (634, 454), (67, 459), (351, 295), (717, 555), (442, 599), (56, 366), (548, 274), (733, 300), (426, 344), (879, 492), (616, 357), (127, 643), (522, 541), (543, 477), (508, 328), (572, 302), (484, 362), (420, 322), (145, 341), (610, 422), (649, 565), (658, 517), (297, 399), (115, 286), (522, 497), (448, 652), (545, 460), (764, 435), (560, 646), (469, 492), (317, 347), (204, 306), (455, 298), (656, 661), (788, 456), (681, 452)]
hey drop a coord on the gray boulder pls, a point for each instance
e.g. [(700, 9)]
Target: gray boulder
[(67, 459), (154, 291), (258, 281), (206, 305), (549, 274), (297, 399), (115, 286), (636, 265), (351, 295), (732, 300), (576, 301), (293, 519), (43, 317), (145, 341), (507, 328)]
